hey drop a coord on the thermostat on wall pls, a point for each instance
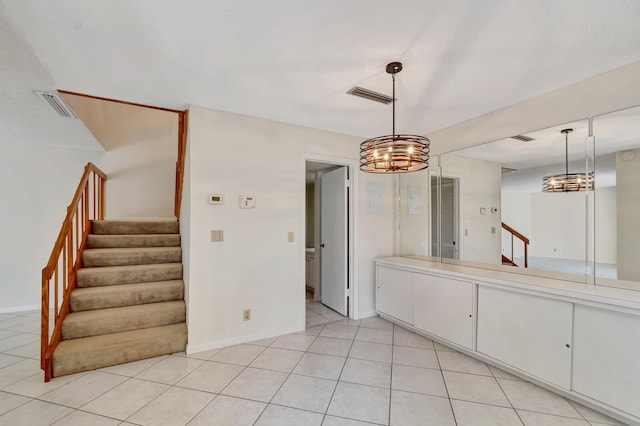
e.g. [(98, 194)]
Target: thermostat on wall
[(247, 202), (216, 199)]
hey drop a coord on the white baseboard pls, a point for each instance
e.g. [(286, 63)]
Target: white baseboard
[(19, 309), (201, 347), (368, 314)]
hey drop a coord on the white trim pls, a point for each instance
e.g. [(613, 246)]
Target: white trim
[(201, 347), (19, 309), (368, 314), (353, 166)]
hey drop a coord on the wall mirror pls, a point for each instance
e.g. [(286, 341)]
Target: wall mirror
[(487, 208)]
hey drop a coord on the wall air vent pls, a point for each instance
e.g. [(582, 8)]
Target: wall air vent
[(370, 94), (522, 138), (508, 170), (55, 101)]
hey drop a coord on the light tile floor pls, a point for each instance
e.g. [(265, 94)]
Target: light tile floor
[(337, 372)]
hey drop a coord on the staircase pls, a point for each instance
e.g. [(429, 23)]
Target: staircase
[(129, 298)]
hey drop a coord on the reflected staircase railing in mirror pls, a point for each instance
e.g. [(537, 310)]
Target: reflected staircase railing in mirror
[(506, 260)]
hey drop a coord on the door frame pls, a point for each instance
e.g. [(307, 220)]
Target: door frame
[(352, 203)]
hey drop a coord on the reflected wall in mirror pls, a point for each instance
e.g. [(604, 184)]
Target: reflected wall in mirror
[(618, 146)]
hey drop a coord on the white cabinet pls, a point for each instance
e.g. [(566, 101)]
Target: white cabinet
[(395, 293), (444, 308), (581, 341), (529, 332), (606, 360)]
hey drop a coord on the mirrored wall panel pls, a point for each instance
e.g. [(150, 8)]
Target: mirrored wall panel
[(561, 202)]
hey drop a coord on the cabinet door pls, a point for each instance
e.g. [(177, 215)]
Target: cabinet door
[(395, 293), (444, 307), (606, 357), (528, 332)]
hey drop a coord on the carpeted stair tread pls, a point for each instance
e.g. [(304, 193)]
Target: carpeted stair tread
[(131, 240), (100, 257), (86, 299), (119, 227), (115, 275), (115, 320), (89, 353)]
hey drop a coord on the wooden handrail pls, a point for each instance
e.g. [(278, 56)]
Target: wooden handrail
[(66, 259), (182, 148), (515, 233), (522, 238)]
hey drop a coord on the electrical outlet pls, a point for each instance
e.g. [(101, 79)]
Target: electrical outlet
[(217, 236), (246, 315)]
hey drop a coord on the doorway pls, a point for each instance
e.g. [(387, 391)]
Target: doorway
[(329, 231), (445, 217)]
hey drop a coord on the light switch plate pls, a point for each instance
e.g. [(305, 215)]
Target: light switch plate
[(290, 237), (247, 202)]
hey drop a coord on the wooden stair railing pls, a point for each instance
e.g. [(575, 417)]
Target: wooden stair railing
[(66, 259), (182, 147), (525, 241)]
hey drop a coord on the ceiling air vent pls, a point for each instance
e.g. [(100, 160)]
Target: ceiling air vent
[(56, 102), (507, 170), (522, 138), (370, 94)]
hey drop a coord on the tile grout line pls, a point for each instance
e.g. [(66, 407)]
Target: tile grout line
[(446, 388), (346, 358), (286, 378)]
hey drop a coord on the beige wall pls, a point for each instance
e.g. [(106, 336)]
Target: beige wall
[(415, 214), (628, 216), (255, 267), (37, 184), (480, 187), (141, 151)]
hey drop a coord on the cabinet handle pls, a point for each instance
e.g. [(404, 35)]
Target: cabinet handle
[(568, 345)]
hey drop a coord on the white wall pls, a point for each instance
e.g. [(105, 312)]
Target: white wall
[(628, 216), (415, 235), (255, 267), (479, 187), (606, 225), (142, 149), (558, 225), (516, 212), (37, 184), (543, 218)]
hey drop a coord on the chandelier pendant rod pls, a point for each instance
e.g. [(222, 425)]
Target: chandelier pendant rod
[(566, 153), (393, 105)]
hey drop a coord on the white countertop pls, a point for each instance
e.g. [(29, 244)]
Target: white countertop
[(588, 292)]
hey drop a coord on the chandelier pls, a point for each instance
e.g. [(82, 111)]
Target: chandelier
[(568, 182), (394, 153)]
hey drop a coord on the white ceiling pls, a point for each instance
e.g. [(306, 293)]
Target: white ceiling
[(293, 61)]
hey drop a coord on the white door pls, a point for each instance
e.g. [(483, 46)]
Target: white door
[(333, 239)]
